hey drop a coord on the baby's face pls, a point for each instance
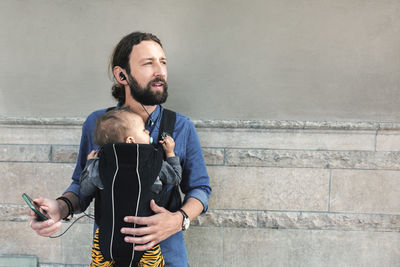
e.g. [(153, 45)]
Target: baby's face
[(139, 132)]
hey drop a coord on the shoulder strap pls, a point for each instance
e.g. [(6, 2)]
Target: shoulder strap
[(110, 108), (167, 124)]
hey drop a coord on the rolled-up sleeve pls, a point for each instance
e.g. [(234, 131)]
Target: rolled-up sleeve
[(195, 181), (84, 149)]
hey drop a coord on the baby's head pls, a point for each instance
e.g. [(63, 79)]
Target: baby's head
[(120, 126)]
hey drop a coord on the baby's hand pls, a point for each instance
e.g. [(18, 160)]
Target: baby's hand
[(168, 144), (93, 154)]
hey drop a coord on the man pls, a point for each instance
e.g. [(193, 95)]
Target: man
[(140, 72)]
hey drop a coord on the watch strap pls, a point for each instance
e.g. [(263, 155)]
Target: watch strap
[(185, 218)]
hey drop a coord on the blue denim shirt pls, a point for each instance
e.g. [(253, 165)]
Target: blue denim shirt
[(195, 180)]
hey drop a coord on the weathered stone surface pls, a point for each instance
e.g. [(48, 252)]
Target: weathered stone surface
[(213, 156), (35, 179), (388, 141), (388, 126), (368, 191), (269, 207), (281, 124), (64, 153), (19, 238), (314, 159), (62, 265), (288, 139), (13, 212), (227, 218), (41, 121), (253, 188), (18, 261), (39, 134), (38, 153), (331, 221), (77, 243), (268, 247), (17, 213), (204, 246), (299, 220), (247, 124)]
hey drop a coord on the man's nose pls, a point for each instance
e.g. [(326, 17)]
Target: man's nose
[(160, 70)]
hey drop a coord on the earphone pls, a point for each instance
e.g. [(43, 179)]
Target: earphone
[(122, 76)]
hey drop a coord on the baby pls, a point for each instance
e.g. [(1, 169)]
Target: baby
[(124, 126)]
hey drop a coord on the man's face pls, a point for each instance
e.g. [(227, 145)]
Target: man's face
[(148, 77)]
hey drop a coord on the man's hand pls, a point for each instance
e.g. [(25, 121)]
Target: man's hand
[(157, 227), (48, 227)]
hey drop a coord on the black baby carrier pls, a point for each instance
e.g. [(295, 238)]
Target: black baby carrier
[(128, 172)]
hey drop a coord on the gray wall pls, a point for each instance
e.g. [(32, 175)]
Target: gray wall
[(269, 59)]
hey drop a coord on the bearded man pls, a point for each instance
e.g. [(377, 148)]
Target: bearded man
[(139, 67)]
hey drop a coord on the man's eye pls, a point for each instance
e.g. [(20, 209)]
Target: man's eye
[(164, 62), (148, 63)]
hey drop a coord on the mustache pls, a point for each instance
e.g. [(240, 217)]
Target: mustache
[(158, 79)]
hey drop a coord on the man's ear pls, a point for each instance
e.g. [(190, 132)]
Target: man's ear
[(120, 75), (130, 140)]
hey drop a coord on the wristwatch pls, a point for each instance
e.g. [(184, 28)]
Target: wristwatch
[(186, 220)]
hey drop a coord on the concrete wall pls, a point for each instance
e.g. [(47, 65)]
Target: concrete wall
[(228, 59), (285, 193)]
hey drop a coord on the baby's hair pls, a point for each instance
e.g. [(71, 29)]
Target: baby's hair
[(113, 126)]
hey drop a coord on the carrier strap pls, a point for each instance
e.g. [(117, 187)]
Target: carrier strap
[(167, 124)]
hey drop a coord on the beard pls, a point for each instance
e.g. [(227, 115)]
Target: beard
[(146, 96)]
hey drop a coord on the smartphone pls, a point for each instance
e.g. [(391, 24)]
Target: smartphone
[(41, 215)]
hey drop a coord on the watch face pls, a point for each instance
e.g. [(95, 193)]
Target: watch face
[(186, 223)]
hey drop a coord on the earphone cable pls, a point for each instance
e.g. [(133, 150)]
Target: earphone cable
[(88, 215), (148, 114)]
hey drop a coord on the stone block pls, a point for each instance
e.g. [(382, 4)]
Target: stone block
[(19, 238), (388, 141), (204, 246), (365, 191), (77, 243), (35, 179), (265, 247), (38, 153), (64, 153), (12, 212), (18, 261), (313, 159), (255, 188), (40, 134), (213, 156), (288, 139)]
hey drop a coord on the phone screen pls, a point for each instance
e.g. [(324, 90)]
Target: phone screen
[(41, 214)]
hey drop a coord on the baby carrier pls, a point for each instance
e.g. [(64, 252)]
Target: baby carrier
[(128, 172)]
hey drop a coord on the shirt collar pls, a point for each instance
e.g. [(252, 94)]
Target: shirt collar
[(154, 116)]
